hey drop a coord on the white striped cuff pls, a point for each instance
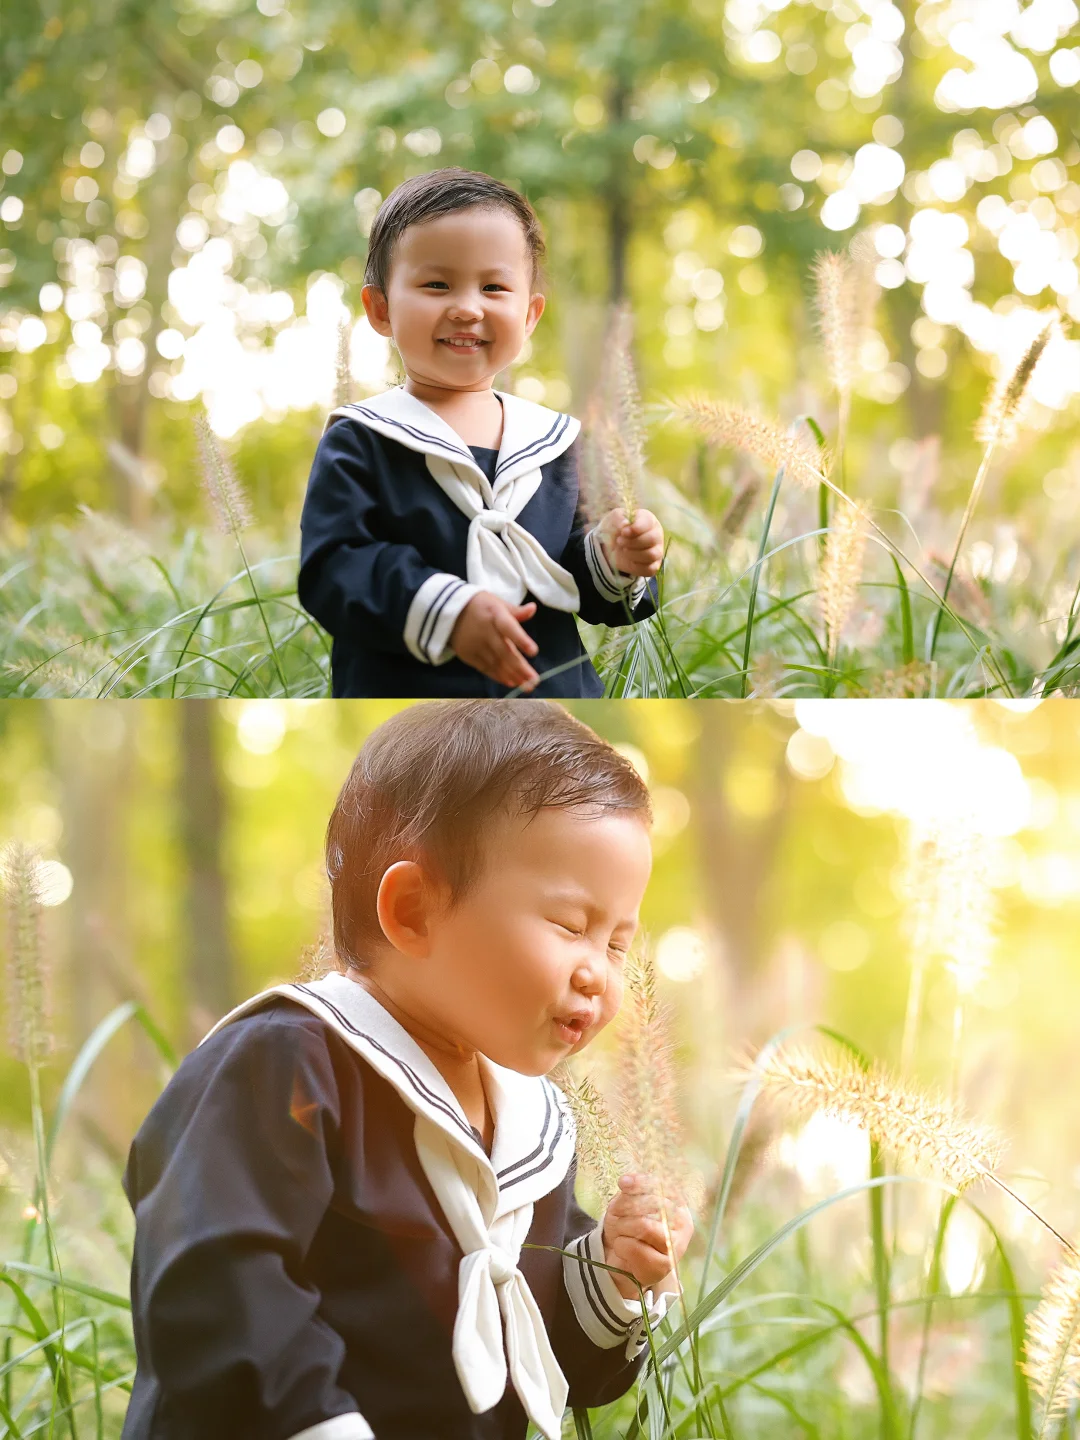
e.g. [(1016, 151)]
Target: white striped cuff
[(611, 583), (431, 615), (342, 1427), (607, 1317)]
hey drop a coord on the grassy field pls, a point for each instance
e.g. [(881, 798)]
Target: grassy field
[(797, 563), (857, 1275)]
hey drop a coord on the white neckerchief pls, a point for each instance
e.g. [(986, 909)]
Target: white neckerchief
[(500, 555), (488, 1203)]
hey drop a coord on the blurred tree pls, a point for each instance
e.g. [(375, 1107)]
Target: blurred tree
[(208, 955), (738, 848), (657, 137)]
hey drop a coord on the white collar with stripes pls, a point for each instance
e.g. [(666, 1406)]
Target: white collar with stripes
[(534, 1130), (532, 434)]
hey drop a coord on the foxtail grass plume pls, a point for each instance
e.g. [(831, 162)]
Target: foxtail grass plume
[(623, 406), (739, 506), (845, 294), (919, 1129), (841, 571), (775, 447), (613, 429), (910, 681), (836, 323), (952, 898), (1052, 1347), (595, 496), (226, 494), (318, 959), (342, 370), (598, 1144), (27, 980), (650, 1125), (1008, 400)]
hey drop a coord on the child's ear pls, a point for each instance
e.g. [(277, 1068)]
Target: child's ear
[(405, 905), (535, 310), (376, 308)]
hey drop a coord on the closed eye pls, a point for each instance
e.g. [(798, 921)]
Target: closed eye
[(443, 282)]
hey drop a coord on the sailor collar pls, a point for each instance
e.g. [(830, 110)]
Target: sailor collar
[(532, 434), (534, 1130)]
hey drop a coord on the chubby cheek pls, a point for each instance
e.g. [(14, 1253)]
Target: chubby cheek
[(610, 1005)]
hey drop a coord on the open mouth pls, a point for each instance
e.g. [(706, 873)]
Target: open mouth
[(570, 1031), (463, 347)]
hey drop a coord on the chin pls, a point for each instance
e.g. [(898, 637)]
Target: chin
[(527, 1064)]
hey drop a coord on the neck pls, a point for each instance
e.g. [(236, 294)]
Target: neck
[(456, 1063), (480, 397)]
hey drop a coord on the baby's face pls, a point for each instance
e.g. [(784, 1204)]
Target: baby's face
[(541, 938), (468, 271)]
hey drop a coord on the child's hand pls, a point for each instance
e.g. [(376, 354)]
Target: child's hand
[(487, 636), (635, 549), (634, 1235)]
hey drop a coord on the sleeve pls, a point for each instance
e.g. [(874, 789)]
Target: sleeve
[(353, 581), (599, 1338), (229, 1178), (608, 596)]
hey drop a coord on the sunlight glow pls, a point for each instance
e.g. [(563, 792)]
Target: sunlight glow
[(681, 954), (827, 1153), (925, 762)]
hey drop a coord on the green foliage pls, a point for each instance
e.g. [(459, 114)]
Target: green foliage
[(766, 1347)]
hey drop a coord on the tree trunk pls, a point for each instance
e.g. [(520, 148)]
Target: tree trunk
[(208, 956), (130, 397), (618, 204), (737, 859)]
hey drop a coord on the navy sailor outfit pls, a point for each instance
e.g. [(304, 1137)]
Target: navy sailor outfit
[(325, 1251), (403, 523)]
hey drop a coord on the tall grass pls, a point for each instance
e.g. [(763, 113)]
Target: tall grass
[(772, 582), (796, 1315)]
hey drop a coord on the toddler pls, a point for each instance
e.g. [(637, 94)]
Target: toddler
[(443, 543), (334, 1194)]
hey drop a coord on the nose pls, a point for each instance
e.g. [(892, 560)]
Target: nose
[(464, 306), (590, 977)]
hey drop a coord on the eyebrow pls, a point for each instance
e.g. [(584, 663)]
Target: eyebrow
[(492, 270)]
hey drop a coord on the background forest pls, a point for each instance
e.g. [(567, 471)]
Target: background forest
[(906, 875), (185, 193)]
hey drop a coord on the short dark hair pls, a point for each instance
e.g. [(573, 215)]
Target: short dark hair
[(440, 192), (428, 780)]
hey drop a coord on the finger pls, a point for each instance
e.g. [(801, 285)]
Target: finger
[(514, 635), (647, 1264), (523, 612), (647, 1229), (522, 672), (637, 1182), (640, 544), (640, 1205)]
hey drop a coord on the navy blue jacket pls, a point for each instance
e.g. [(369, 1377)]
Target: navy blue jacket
[(383, 565), (292, 1264)]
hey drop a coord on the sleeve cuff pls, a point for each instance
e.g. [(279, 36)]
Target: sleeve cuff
[(341, 1427), (611, 583), (430, 619), (607, 1317)]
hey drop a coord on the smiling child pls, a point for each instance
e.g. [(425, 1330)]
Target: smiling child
[(338, 1194), (444, 547)]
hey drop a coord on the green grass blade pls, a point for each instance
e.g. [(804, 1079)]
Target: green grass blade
[(756, 576)]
